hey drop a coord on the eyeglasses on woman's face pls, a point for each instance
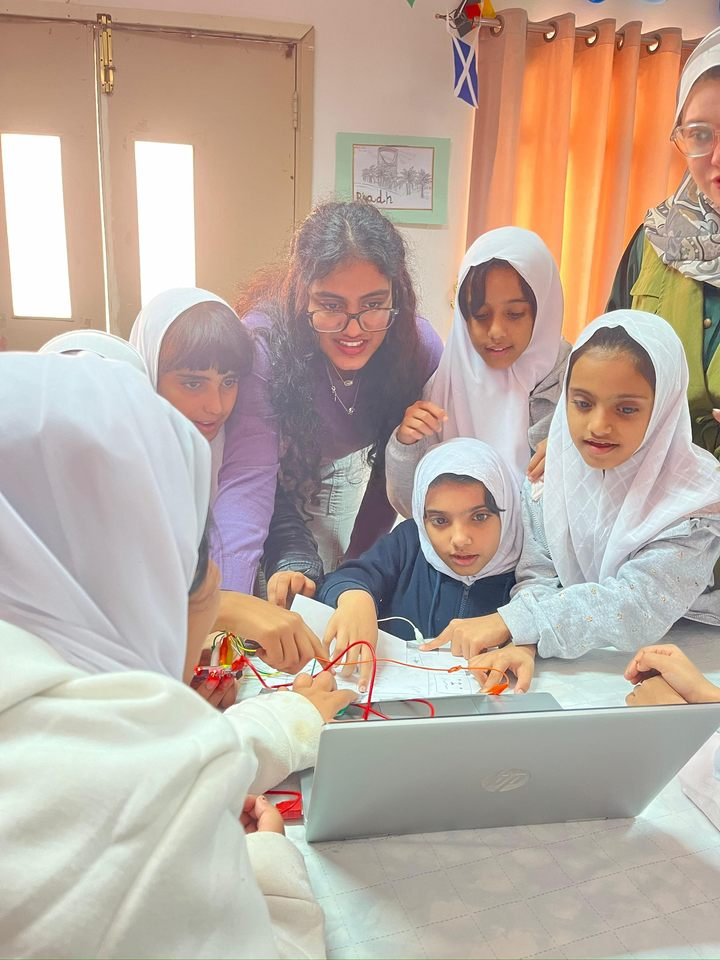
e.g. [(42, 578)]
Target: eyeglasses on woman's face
[(695, 139), (372, 320)]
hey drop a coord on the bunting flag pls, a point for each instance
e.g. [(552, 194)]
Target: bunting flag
[(411, 2), (460, 26), (466, 80)]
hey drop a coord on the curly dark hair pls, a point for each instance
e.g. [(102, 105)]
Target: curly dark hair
[(335, 233)]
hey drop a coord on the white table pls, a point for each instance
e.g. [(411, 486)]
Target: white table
[(648, 887)]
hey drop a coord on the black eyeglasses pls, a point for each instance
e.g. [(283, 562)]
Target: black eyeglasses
[(371, 320)]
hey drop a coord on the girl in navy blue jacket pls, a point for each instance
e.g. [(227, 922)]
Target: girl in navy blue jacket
[(455, 558)]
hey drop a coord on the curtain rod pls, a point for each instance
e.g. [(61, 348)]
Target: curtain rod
[(548, 28)]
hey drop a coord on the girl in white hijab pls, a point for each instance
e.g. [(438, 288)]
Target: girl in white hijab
[(196, 351), (501, 371), (102, 344), (455, 558), (623, 539), (123, 790)]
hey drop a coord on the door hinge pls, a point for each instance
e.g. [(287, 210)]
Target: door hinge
[(107, 69), (295, 109)]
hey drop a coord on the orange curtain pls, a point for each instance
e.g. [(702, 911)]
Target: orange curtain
[(571, 140)]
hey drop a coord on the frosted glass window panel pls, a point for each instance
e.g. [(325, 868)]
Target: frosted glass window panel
[(166, 216), (35, 214)]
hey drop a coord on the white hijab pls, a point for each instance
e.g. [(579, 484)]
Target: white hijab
[(104, 492), (103, 344), (148, 333), (471, 458), (705, 55), (596, 519), (493, 405)]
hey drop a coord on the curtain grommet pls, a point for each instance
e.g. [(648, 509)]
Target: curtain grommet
[(551, 32), (593, 38), (496, 31)]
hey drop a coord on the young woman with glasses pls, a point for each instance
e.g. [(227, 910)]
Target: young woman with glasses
[(341, 354), (672, 266)]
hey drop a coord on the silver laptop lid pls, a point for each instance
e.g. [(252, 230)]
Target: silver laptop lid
[(498, 769)]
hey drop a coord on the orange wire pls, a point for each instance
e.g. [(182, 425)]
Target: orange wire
[(417, 666), (502, 684)]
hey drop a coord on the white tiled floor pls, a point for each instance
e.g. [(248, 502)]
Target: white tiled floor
[(645, 888)]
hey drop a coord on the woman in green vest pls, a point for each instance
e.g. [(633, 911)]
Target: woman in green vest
[(672, 264)]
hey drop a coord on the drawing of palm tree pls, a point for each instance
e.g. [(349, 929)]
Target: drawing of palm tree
[(423, 180), (407, 177)]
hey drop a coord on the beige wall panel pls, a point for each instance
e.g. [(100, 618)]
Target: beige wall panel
[(47, 86), (231, 99)]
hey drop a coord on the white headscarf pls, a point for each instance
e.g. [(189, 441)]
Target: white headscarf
[(148, 333), (471, 458), (596, 519), (493, 405), (103, 344), (705, 55), (104, 492)]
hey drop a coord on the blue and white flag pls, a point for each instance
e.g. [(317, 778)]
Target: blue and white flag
[(466, 79)]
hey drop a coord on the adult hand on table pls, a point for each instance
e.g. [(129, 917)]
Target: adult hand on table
[(422, 419), (468, 638), (355, 619), (285, 585), (489, 668), (283, 639), (668, 662)]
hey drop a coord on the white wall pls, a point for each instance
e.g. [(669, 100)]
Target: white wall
[(383, 67)]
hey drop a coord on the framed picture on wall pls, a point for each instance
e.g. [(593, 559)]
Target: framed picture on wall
[(405, 177)]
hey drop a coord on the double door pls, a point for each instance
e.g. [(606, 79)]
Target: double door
[(183, 173)]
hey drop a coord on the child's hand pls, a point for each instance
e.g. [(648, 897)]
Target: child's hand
[(652, 692), (219, 692), (260, 816), (322, 692), (468, 638), (284, 640), (676, 669), (488, 668), (285, 585), (355, 619), (422, 419), (536, 467)]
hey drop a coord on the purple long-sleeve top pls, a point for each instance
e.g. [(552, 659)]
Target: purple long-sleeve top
[(246, 485)]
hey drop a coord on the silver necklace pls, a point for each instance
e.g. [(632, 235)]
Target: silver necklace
[(345, 383), (336, 396)]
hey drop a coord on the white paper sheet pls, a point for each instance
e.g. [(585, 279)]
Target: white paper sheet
[(393, 681)]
